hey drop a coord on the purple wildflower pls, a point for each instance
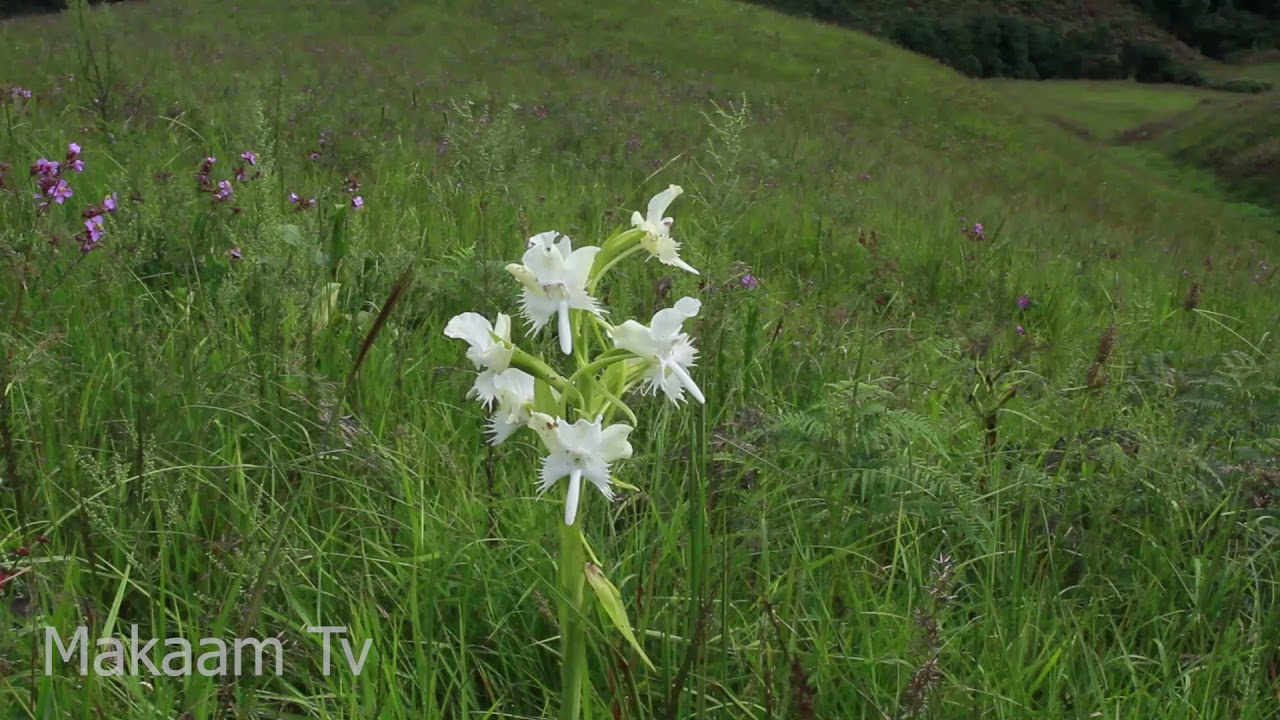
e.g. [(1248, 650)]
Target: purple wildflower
[(224, 190), (249, 157), (109, 202), (73, 151), (750, 282), (94, 227), (61, 192), (236, 254), (47, 168), (293, 198), (313, 156), (1024, 302), (1019, 329), (357, 202)]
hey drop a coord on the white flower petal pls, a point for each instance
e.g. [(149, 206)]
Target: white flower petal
[(537, 308), (484, 352), (578, 264), (546, 426), (513, 391), (571, 502), (687, 382), (659, 203), (613, 443), (484, 388), (472, 327), (636, 338), (565, 246), (554, 467), (666, 323), (564, 330), (598, 473), (501, 428), (543, 239)]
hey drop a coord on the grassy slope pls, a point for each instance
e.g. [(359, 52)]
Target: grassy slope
[(1220, 143), (1237, 140), (1146, 596)]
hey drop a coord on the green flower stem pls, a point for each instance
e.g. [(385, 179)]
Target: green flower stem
[(539, 369), (606, 264), (599, 363), (573, 635)]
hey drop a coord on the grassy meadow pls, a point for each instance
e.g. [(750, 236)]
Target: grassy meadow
[(1220, 144), (1023, 470)]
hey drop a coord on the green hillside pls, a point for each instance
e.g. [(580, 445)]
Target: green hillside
[(1227, 139), (991, 423), (1159, 41)]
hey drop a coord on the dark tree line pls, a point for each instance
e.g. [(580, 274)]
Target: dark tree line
[(992, 44), (13, 8), (1218, 27)]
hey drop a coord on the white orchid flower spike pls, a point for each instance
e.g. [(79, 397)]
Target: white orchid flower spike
[(658, 240), (490, 350), (555, 276), (668, 352), (583, 449)]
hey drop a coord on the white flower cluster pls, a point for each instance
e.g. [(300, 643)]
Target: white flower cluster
[(523, 391)]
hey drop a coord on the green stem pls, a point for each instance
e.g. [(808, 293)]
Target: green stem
[(600, 363), (573, 636), (539, 369), (595, 280)]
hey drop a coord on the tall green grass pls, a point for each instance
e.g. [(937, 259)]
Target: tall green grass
[(1097, 528)]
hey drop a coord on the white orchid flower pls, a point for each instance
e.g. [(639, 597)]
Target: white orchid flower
[(490, 350), (658, 240), (554, 276), (667, 351), (514, 393), (583, 449)]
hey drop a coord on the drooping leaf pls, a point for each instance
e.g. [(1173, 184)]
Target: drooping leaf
[(611, 602), (324, 306)]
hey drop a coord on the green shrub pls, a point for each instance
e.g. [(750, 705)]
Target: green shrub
[(986, 37), (1003, 45), (1015, 47), (1241, 86), (1150, 63), (919, 36), (1049, 53)]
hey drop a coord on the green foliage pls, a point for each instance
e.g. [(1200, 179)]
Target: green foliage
[(1151, 63), (1218, 28), (988, 45), (1251, 87), (12, 8), (177, 423)]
